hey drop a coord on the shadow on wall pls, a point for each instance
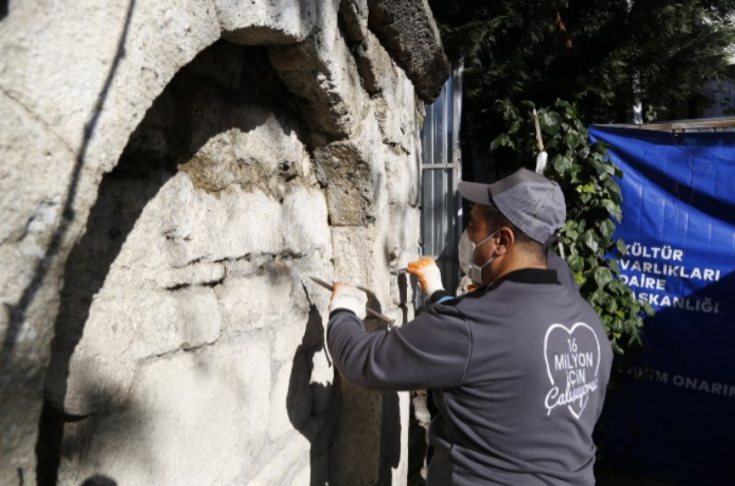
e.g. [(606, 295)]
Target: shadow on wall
[(311, 406), (314, 408), (18, 312), (80, 436), (99, 480), (3, 9), (170, 134), (110, 221)]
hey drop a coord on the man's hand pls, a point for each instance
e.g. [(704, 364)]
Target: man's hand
[(347, 296), (428, 273)]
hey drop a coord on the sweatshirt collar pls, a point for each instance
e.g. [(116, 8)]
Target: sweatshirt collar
[(529, 276)]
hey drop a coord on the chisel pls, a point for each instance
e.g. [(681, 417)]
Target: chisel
[(370, 311)]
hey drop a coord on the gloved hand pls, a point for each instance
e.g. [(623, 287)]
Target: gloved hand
[(428, 273), (346, 296)]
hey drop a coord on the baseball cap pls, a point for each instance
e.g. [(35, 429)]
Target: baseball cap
[(533, 203)]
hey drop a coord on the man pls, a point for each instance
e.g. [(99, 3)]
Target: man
[(518, 367)]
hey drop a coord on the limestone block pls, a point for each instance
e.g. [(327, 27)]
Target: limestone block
[(354, 17), (208, 274), (356, 175), (261, 150), (399, 468), (375, 66), (65, 63), (352, 248), (297, 403), (255, 302), (32, 201), (198, 417), (403, 178), (81, 78), (266, 22), (101, 371), (398, 126), (305, 222), (321, 73), (184, 319), (298, 333), (409, 32), (393, 95), (192, 225), (290, 466), (359, 437)]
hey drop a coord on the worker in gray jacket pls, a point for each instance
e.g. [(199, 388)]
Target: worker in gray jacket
[(518, 366)]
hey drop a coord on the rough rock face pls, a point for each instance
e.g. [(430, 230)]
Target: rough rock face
[(409, 32), (164, 195)]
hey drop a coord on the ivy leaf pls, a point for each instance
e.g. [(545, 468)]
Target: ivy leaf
[(620, 245), (574, 140), (602, 277), (591, 240), (549, 122), (575, 263), (614, 187), (561, 163), (613, 209), (614, 266), (607, 228), (647, 308), (502, 140)]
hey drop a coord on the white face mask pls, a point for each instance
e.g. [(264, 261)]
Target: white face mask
[(467, 258)]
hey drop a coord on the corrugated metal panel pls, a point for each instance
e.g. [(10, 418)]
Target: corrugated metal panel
[(440, 173)]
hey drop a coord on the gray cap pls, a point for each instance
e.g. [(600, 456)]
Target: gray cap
[(533, 203)]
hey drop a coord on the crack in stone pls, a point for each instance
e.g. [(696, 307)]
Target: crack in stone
[(184, 347), (40, 120)]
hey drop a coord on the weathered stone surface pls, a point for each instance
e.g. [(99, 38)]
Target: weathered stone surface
[(266, 22), (321, 73), (354, 17), (403, 177), (31, 218), (388, 86), (356, 174), (408, 30), (62, 70), (399, 127), (375, 66), (175, 404), (189, 343)]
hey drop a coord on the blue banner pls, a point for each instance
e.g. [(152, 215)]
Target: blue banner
[(676, 421)]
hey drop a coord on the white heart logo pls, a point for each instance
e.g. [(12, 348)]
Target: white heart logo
[(575, 354)]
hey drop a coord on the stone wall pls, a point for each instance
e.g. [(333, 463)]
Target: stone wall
[(172, 173)]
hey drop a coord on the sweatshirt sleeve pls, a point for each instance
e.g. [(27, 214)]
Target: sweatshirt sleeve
[(432, 351)]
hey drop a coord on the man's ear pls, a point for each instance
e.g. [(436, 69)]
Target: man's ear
[(506, 240)]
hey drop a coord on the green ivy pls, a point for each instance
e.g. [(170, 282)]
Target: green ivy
[(593, 199)]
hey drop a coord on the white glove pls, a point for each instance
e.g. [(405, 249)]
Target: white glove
[(346, 296), (430, 277)]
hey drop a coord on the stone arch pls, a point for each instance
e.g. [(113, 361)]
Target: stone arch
[(161, 281), (352, 114)]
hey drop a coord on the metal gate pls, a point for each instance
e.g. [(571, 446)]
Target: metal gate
[(440, 171)]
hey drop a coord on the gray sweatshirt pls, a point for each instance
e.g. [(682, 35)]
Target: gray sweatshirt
[(519, 371)]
